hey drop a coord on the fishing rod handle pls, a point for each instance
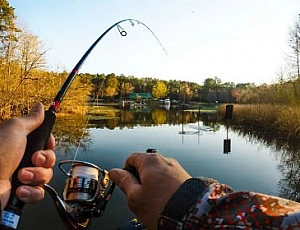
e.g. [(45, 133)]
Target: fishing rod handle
[(36, 140)]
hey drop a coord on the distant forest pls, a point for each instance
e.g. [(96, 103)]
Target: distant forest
[(24, 78)]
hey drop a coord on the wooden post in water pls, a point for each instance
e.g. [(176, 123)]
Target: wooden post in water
[(227, 141)]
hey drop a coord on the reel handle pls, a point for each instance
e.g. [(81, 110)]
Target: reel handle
[(36, 140)]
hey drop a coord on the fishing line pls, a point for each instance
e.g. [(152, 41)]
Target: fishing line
[(80, 138), (139, 22)]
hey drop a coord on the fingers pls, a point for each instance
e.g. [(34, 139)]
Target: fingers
[(35, 175), (30, 194), (51, 142), (124, 180), (147, 161), (34, 119), (136, 159), (44, 158), (153, 168)]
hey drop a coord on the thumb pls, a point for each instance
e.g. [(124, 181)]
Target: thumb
[(34, 119), (124, 180)]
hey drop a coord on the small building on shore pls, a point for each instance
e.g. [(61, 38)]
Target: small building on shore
[(140, 96)]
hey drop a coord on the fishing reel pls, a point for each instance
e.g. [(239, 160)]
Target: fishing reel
[(86, 193)]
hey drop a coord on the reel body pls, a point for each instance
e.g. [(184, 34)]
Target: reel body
[(86, 193)]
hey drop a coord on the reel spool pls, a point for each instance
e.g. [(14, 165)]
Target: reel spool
[(86, 193), (85, 181)]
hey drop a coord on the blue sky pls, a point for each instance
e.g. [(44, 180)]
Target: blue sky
[(236, 40)]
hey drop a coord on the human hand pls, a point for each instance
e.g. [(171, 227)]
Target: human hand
[(13, 139), (160, 177)]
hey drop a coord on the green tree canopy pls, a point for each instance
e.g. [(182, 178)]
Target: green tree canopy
[(7, 22)]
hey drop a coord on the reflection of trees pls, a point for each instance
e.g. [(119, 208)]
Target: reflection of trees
[(69, 131), (112, 123), (156, 116), (289, 166), (125, 117), (159, 116)]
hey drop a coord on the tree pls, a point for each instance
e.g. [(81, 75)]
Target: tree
[(159, 90), (294, 43), (125, 89), (174, 87), (111, 85), (30, 53), (7, 23), (97, 85), (245, 85), (211, 87), (186, 91), (18, 77), (76, 97)]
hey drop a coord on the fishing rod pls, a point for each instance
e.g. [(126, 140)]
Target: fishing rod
[(88, 187)]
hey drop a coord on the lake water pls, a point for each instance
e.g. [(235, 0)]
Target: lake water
[(250, 165)]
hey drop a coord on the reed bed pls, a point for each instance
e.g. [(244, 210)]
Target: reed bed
[(280, 119)]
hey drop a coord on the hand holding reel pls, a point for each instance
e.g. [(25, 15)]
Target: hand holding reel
[(87, 190), (86, 193)]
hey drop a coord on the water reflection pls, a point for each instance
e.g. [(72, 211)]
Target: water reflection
[(152, 117), (72, 132), (288, 154)]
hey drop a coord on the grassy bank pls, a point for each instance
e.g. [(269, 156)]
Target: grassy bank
[(102, 112), (283, 120), (204, 108)]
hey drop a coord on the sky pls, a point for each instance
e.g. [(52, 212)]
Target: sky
[(237, 41)]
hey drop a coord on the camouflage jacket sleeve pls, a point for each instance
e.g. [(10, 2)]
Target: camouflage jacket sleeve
[(201, 205)]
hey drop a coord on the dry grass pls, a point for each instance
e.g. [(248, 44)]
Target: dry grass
[(103, 112), (277, 118)]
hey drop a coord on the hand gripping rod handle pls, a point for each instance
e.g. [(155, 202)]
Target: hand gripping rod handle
[(36, 140)]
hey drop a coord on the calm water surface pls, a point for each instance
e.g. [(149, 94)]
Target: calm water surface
[(251, 165)]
